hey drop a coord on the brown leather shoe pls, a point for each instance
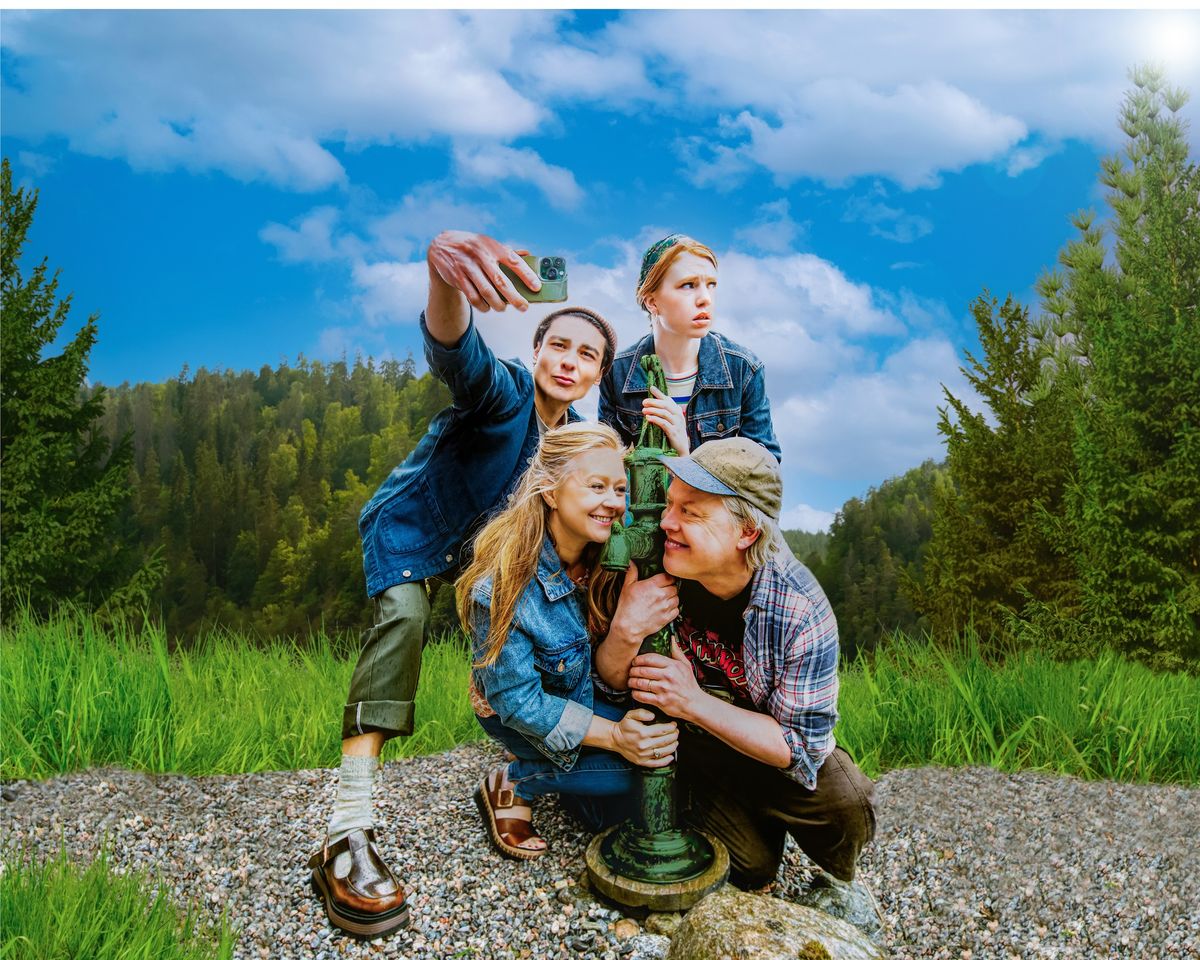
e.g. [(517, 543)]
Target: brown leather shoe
[(366, 900), (506, 833)]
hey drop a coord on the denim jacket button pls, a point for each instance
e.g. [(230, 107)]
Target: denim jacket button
[(408, 573), (720, 426), (449, 558), (562, 665)]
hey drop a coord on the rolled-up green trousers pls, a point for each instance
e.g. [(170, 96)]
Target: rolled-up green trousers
[(384, 685)]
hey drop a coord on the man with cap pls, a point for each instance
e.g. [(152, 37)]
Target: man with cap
[(415, 526), (753, 677)]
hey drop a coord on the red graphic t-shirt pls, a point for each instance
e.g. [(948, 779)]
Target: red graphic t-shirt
[(709, 631)]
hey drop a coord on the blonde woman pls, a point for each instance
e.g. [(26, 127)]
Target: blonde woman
[(715, 387), (534, 601)]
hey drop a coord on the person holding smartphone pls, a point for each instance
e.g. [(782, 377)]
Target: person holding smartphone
[(415, 526), (715, 387)]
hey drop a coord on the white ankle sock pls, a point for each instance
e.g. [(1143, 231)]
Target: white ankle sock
[(352, 810)]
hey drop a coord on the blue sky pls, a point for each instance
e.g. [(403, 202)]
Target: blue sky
[(231, 189)]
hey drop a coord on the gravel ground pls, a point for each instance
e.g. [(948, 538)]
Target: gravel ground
[(967, 863)]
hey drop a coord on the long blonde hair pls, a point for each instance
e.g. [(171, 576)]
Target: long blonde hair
[(507, 548)]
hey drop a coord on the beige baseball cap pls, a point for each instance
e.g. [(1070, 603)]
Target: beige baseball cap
[(736, 467)]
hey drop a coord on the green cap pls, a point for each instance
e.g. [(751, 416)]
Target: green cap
[(736, 467)]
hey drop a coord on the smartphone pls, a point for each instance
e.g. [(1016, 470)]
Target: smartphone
[(552, 271)]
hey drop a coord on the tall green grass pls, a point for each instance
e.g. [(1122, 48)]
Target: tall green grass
[(1109, 718), (73, 695), (55, 910)]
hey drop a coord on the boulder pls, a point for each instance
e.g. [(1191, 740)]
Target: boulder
[(731, 925)]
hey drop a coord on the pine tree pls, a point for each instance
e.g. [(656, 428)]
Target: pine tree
[(62, 483), (990, 553), (1134, 509)]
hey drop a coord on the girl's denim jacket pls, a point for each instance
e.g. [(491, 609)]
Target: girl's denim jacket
[(541, 684), (729, 399)]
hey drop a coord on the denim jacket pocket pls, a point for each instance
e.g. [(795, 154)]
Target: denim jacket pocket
[(628, 420), (722, 423), (563, 666), (403, 538)]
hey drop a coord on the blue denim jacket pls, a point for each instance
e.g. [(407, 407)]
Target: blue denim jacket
[(541, 684), (466, 465), (729, 399)]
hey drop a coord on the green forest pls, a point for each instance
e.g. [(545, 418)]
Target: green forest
[(1065, 515)]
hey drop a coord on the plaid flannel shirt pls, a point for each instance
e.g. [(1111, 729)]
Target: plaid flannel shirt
[(790, 650)]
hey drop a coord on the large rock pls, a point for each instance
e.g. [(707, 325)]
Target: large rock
[(731, 925)]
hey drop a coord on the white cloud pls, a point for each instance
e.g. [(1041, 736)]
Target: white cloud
[(279, 96), (773, 230), (843, 129), (803, 517), (873, 422), (569, 70), (429, 208), (310, 240), (781, 295), (904, 94), (38, 164), (390, 292), (258, 95), (493, 163), (883, 220), (1028, 157)]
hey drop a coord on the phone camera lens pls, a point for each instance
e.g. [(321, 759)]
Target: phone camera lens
[(550, 273), (558, 262), (545, 264)]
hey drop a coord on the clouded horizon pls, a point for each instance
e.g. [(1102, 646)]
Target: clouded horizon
[(228, 189)]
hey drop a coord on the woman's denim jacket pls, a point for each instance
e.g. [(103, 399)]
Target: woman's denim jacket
[(729, 399), (541, 684)]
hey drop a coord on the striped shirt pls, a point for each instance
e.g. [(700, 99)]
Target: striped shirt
[(790, 652), (680, 388)]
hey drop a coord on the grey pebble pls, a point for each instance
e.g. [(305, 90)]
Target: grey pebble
[(966, 864)]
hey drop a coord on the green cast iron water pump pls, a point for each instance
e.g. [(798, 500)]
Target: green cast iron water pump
[(651, 847)]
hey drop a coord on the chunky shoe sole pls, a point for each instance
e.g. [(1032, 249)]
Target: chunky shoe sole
[(367, 925), (489, 820)]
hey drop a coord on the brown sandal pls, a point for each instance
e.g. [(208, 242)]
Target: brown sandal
[(506, 833)]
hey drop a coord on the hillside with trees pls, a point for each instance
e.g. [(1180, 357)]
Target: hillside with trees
[(250, 485)]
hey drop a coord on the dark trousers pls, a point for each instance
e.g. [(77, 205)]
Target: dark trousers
[(751, 807), (383, 688)]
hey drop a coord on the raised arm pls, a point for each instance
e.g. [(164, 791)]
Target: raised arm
[(464, 272)]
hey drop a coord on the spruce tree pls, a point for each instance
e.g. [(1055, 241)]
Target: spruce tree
[(62, 483), (1133, 511), (990, 554)]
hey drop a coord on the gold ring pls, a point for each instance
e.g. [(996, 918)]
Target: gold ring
[(655, 754)]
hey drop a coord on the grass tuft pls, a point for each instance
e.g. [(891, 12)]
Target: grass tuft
[(77, 696), (57, 910), (1106, 719)]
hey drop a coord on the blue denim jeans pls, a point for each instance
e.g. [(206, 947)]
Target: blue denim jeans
[(599, 790)]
